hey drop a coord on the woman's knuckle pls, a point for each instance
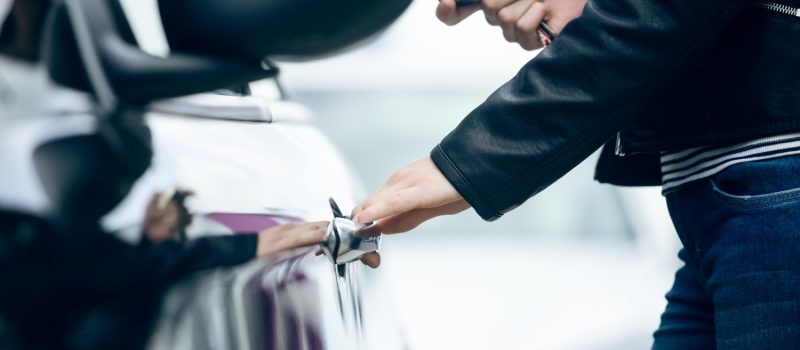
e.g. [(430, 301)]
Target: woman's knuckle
[(398, 175), (527, 46), (526, 27), (506, 16), (393, 200), (508, 36), (490, 18), (492, 5)]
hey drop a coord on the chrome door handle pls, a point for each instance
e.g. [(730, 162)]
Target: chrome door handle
[(342, 243)]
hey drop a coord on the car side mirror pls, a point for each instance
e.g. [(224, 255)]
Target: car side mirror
[(86, 34)]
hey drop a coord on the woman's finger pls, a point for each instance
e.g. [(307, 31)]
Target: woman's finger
[(377, 196), (391, 204), (399, 180), (528, 25), (491, 9), (508, 17), (371, 259), (368, 231), (419, 185), (408, 221), (451, 14)]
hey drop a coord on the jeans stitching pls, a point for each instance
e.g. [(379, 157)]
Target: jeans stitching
[(764, 200)]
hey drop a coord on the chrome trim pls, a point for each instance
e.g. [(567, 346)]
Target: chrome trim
[(216, 106), (342, 245)]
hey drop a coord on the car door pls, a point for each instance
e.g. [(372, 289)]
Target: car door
[(256, 161)]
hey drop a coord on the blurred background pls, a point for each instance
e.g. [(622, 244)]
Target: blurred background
[(580, 266)]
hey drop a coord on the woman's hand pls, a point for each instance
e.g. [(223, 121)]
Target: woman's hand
[(519, 19), (410, 197)]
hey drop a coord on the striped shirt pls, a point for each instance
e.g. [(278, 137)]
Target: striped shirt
[(684, 167)]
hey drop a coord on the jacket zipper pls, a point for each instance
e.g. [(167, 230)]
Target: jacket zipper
[(780, 8)]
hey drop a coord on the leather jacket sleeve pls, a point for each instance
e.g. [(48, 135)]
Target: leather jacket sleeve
[(603, 70)]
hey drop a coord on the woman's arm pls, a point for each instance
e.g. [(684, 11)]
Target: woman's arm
[(604, 69)]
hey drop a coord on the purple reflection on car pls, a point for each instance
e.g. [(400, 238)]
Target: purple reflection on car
[(251, 222)]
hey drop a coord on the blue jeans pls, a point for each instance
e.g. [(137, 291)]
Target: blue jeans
[(739, 287)]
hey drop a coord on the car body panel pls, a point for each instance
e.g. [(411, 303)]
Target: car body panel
[(248, 176)]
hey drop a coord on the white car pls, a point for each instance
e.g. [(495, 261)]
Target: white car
[(253, 160)]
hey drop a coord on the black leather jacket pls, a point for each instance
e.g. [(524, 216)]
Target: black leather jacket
[(641, 76)]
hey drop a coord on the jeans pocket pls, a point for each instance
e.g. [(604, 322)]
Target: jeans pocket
[(759, 183)]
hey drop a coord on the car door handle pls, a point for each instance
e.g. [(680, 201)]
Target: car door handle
[(343, 242)]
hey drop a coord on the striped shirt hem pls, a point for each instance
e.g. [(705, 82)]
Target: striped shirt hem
[(690, 165)]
